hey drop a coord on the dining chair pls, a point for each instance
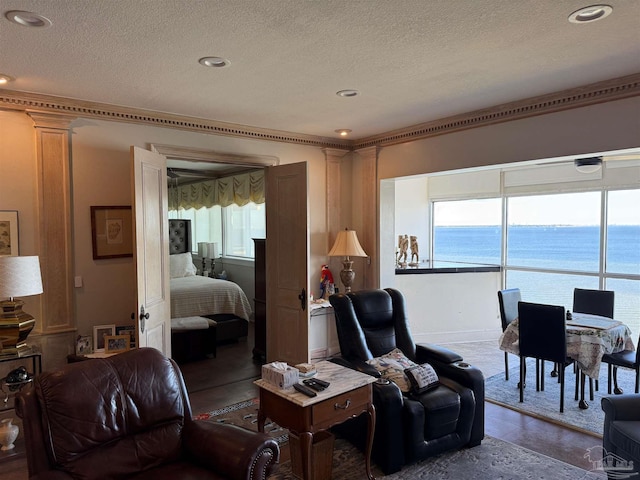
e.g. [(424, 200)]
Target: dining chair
[(594, 302), (508, 300), (543, 336), (627, 359)]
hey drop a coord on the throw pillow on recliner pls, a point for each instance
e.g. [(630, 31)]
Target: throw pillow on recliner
[(408, 375), (422, 378)]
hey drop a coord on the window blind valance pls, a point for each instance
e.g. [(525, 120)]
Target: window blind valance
[(239, 189)]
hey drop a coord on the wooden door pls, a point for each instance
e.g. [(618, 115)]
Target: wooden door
[(287, 263), (151, 251)]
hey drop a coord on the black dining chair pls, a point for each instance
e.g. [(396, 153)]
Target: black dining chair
[(594, 302), (627, 359), (508, 300), (543, 336)]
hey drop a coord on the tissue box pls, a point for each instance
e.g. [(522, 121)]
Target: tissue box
[(281, 377)]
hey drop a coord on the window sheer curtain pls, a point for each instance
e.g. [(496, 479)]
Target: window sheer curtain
[(237, 189)]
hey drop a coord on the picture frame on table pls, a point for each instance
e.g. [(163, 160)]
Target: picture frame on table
[(128, 330), (111, 231), (116, 343), (99, 334), (9, 240), (84, 345)]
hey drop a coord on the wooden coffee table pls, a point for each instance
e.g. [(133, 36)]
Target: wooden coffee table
[(349, 395)]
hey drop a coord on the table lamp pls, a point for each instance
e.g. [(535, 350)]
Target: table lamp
[(19, 277), (212, 253), (347, 245)]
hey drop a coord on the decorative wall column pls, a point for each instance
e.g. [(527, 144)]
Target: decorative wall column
[(55, 220), (365, 213), (336, 218)]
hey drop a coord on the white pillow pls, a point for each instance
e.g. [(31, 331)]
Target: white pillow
[(181, 265)]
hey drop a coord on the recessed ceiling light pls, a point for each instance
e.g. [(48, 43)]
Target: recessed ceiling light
[(27, 19), (343, 132), (4, 79), (216, 62), (347, 93), (590, 14)]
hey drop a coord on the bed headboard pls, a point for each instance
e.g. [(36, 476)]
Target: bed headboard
[(179, 236)]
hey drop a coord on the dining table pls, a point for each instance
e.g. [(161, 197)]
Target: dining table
[(588, 338)]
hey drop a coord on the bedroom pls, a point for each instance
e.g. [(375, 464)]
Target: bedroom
[(216, 209)]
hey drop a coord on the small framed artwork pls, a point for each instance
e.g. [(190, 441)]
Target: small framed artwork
[(9, 233), (99, 333), (116, 343), (84, 345), (128, 330), (111, 232)]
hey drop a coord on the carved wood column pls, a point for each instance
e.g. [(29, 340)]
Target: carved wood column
[(365, 213), (336, 220), (55, 219)]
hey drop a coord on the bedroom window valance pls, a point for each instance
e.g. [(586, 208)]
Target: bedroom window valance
[(239, 189)]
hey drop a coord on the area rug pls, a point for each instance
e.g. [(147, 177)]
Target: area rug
[(245, 414), (546, 404), (493, 459)]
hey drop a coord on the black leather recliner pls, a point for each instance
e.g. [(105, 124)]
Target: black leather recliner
[(409, 427)]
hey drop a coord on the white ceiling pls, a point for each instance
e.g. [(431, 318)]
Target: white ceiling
[(413, 61)]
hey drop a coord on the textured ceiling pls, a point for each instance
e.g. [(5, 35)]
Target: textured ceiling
[(412, 60)]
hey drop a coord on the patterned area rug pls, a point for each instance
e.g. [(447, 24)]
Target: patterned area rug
[(546, 404), (493, 459)]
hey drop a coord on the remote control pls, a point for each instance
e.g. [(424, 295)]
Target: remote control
[(304, 389), (321, 382), (316, 386)]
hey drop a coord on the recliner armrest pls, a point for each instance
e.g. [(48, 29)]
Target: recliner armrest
[(230, 450), (429, 352), (621, 407), (358, 365)]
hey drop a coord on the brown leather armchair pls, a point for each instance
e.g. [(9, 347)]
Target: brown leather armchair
[(129, 416)]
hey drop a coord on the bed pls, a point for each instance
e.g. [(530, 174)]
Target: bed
[(219, 304)]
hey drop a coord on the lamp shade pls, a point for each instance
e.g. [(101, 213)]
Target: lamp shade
[(347, 245), (20, 277), (202, 249), (212, 250)]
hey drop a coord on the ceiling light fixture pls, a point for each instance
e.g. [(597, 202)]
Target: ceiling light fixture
[(27, 19), (588, 165), (343, 131), (590, 14), (216, 62), (347, 93), (4, 79)]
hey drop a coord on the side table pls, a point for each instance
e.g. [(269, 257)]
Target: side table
[(348, 395), (8, 392)]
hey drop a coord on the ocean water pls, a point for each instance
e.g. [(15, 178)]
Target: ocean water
[(569, 248)]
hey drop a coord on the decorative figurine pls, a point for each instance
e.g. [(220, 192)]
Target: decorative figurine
[(326, 282), (403, 246), (414, 251)]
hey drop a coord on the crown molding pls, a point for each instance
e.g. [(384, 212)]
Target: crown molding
[(48, 104), (606, 91)]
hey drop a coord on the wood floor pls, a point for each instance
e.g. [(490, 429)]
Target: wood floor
[(227, 379)]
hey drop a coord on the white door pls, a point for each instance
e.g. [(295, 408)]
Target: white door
[(151, 252), (287, 261)]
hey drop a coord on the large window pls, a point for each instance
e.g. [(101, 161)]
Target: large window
[(232, 227), (467, 231), (553, 243), (558, 232)]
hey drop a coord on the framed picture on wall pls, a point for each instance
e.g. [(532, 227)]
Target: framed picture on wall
[(99, 333), (111, 232), (9, 241)]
